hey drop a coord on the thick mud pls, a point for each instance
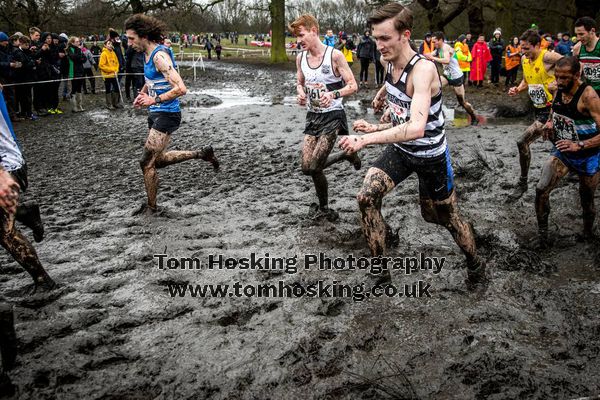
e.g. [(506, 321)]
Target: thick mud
[(114, 331)]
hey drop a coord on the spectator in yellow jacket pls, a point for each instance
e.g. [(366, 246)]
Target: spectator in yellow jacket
[(463, 55), (109, 66)]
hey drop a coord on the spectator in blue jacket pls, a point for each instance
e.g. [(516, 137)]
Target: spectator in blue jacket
[(329, 39), (565, 45)]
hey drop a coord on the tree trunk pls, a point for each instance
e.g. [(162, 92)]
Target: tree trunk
[(476, 22), (586, 8), (277, 9)]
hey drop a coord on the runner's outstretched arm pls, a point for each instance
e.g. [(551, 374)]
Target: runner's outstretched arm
[(414, 128)]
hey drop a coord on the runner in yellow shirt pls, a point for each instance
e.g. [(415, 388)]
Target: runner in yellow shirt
[(538, 80)]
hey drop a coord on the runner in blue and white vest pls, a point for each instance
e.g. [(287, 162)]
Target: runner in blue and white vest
[(573, 129), (323, 79), (13, 163), (161, 95), (416, 143)]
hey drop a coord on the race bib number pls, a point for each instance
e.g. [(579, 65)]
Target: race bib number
[(314, 91), (538, 95), (446, 70), (591, 71), (398, 114), (564, 128), (151, 90)]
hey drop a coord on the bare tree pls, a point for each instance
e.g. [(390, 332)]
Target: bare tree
[(19, 15), (231, 15)]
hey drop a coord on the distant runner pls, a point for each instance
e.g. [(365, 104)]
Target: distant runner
[(453, 75)]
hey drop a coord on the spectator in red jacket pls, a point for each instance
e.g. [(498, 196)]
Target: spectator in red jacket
[(481, 56)]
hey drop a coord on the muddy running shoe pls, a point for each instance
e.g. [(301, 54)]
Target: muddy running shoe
[(542, 241), (476, 276), (8, 337), (519, 190), (43, 285), (331, 215), (145, 209), (208, 154), (316, 212), (313, 209), (32, 219), (355, 160), (58, 111)]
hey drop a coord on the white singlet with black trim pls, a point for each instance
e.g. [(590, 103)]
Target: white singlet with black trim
[(434, 142), (320, 80)]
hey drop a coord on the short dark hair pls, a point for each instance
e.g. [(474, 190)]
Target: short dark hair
[(438, 35), (587, 22), (146, 27), (531, 36), (403, 18), (571, 62)]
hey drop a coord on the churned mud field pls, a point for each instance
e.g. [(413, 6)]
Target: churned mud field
[(113, 331)]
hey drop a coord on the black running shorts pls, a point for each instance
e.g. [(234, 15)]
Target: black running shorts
[(329, 122), (456, 82), (436, 177), (165, 122)]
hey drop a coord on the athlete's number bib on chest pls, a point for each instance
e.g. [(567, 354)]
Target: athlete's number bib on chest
[(564, 128), (151, 90), (538, 95), (591, 71), (446, 71), (398, 114), (314, 91)]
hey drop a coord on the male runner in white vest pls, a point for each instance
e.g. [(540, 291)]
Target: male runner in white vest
[(324, 77), (416, 142)]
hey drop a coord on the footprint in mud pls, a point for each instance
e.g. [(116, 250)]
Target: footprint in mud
[(241, 317), (330, 308), (237, 317), (514, 258)]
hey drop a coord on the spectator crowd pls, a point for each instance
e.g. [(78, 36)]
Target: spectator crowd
[(38, 68)]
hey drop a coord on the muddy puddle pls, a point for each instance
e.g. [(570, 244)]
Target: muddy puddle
[(116, 332)]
